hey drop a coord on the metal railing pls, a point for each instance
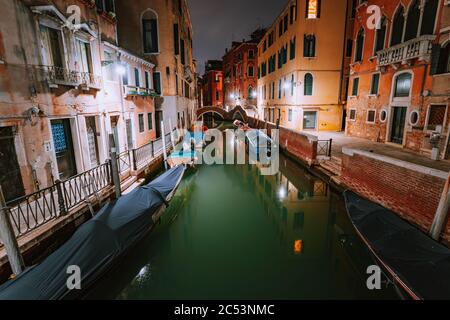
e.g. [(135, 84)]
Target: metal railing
[(30, 212), (57, 75), (324, 147), (91, 80), (138, 91)]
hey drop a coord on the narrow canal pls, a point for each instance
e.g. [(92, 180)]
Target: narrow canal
[(231, 233)]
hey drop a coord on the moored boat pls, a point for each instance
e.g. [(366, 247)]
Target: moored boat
[(98, 244), (415, 262)]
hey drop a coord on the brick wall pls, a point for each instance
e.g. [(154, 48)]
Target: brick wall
[(411, 191), (301, 146)]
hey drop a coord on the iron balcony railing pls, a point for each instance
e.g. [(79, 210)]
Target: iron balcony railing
[(138, 91), (91, 80), (57, 75), (419, 48)]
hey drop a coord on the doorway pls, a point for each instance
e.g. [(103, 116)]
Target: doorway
[(398, 124), (10, 177), (310, 120), (344, 120), (63, 144), (129, 127), (115, 131), (159, 118)]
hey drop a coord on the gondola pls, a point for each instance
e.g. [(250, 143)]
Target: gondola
[(98, 244), (415, 262)]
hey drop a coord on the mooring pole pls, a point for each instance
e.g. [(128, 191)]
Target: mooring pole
[(9, 239), (442, 212), (164, 145), (114, 166)]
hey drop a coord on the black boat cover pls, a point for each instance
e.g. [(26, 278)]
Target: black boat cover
[(421, 263), (95, 245)]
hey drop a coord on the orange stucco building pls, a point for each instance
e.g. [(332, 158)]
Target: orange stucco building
[(399, 88), (212, 86)]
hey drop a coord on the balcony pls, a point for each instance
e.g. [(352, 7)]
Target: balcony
[(188, 74), (59, 76), (133, 91), (419, 48)]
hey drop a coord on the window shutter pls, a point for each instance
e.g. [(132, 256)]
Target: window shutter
[(318, 8), (435, 59)]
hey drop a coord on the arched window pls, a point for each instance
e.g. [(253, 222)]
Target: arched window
[(412, 24), (150, 32), (429, 17), (397, 26), (359, 45), (250, 93), (380, 37), (308, 85), (402, 85)]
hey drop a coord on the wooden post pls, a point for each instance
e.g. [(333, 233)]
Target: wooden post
[(441, 213), (114, 166), (9, 238), (164, 145)]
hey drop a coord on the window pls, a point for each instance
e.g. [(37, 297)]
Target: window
[(217, 95), (291, 14), (371, 114), (349, 48), (414, 118), (279, 89), (52, 47), (150, 32), (292, 85), (352, 115), (147, 80), (429, 17), (263, 69), (309, 46), (436, 116), (355, 88), (271, 36), (251, 54), (383, 115), (84, 56), (380, 36), (397, 27), (359, 45), (250, 93), (280, 28), (312, 9), (440, 59), (286, 23), (182, 52), (157, 82), (354, 5), (150, 121), (176, 39), (137, 77), (250, 71), (412, 22), (109, 71), (402, 85), (273, 90), (292, 49), (290, 115), (309, 120), (125, 75), (375, 84), (141, 123), (308, 86)]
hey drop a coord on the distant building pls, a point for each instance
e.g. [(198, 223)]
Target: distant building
[(400, 84), (302, 66), (213, 84), (240, 64), (161, 31)]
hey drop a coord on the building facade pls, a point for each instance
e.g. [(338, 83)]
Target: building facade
[(61, 95), (240, 64), (399, 91), (161, 31), (302, 64), (212, 87)]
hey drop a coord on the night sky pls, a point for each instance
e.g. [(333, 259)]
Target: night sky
[(217, 22)]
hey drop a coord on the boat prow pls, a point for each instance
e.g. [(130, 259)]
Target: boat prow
[(414, 261)]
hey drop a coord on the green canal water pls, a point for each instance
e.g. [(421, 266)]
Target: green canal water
[(231, 233)]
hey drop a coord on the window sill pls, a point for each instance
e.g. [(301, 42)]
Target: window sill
[(152, 53), (369, 122), (353, 97), (373, 95)]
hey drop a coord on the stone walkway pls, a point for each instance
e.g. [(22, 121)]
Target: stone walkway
[(340, 141)]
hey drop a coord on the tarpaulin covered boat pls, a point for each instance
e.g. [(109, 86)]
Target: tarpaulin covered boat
[(416, 262), (97, 244)]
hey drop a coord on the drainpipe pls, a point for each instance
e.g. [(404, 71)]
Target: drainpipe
[(442, 212)]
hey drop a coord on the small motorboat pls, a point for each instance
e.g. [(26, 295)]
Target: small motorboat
[(98, 244), (182, 157), (415, 262)]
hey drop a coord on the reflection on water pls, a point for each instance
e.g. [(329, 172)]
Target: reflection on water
[(231, 233)]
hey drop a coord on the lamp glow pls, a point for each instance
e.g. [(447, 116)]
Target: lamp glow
[(120, 69)]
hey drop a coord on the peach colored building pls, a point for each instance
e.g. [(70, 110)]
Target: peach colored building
[(61, 95), (399, 91), (161, 32), (303, 65)]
